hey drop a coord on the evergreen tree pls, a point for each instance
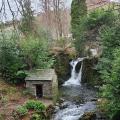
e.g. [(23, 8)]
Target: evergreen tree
[(78, 11)]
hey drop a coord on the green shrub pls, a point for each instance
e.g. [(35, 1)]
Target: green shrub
[(89, 27), (18, 56), (37, 117), (35, 105), (98, 18), (109, 67), (35, 53), (11, 62), (22, 111)]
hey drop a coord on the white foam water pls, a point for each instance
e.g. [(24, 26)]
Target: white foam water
[(74, 112), (75, 77)]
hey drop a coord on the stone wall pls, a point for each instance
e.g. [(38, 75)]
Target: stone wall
[(47, 87), (55, 89)]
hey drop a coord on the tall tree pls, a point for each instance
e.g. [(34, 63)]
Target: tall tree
[(27, 20), (78, 11), (54, 11)]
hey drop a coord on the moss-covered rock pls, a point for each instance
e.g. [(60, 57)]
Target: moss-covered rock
[(90, 74), (49, 111), (88, 116), (62, 67)]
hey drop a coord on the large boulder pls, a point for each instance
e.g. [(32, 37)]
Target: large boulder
[(90, 74), (62, 67), (88, 116)]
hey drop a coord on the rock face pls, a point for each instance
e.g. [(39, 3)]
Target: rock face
[(78, 66), (89, 73), (62, 67)]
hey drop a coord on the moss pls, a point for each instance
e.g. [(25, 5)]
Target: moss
[(62, 67), (88, 116), (90, 74)]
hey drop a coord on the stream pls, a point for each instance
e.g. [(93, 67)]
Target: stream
[(77, 98)]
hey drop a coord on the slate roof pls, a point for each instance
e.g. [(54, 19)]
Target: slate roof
[(40, 75)]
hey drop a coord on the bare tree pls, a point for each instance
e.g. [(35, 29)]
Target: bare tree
[(55, 11)]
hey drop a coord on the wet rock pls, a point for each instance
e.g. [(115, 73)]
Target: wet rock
[(57, 104), (88, 116), (61, 100), (78, 100), (56, 109), (101, 116), (94, 99), (90, 75), (64, 105), (78, 66), (50, 110)]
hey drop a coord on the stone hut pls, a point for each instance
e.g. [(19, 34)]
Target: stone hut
[(42, 83)]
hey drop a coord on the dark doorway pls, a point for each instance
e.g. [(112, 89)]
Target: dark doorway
[(39, 91)]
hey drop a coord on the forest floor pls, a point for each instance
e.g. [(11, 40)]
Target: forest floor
[(13, 96)]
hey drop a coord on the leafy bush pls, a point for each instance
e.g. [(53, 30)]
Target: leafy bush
[(36, 105), (18, 56), (89, 27), (37, 117), (98, 18), (109, 66), (35, 53), (22, 111), (111, 90), (10, 60)]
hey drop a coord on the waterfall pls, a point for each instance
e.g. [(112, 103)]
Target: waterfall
[(75, 77), (77, 98)]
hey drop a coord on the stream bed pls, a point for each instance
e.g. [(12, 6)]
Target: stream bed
[(77, 99)]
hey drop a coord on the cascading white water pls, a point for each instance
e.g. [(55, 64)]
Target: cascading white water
[(75, 77), (72, 91)]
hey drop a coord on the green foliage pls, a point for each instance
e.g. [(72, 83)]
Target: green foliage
[(98, 18), (37, 117), (110, 41), (18, 56), (110, 68), (89, 27), (35, 53), (35, 105), (22, 111), (78, 11), (111, 90), (10, 63)]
